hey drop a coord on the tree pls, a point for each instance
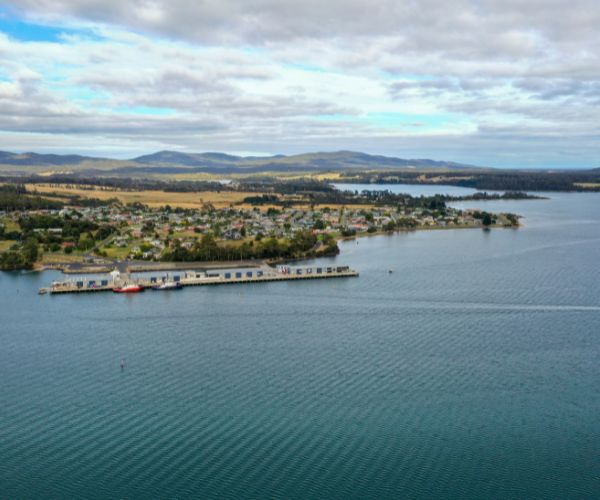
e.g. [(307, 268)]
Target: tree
[(390, 226), (513, 219), (11, 260), (86, 242), (319, 224), (487, 220), (30, 251)]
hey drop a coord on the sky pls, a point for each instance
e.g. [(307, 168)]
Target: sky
[(504, 84)]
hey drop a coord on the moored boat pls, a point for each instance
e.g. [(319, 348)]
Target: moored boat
[(168, 285), (129, 289)]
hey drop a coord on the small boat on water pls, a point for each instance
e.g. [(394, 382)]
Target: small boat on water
[(129, 289), (168, 285)]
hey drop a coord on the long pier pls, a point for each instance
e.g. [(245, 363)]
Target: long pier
[(204, 278)]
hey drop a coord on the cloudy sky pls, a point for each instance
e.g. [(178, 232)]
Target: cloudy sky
[(512, 84)]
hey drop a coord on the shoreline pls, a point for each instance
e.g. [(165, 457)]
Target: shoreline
[(149, 266)]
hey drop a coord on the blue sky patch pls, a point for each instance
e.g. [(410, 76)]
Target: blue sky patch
[(25, 31), (412, 120), (145, 110)]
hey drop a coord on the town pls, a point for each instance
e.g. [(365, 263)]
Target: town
[(253, 229)]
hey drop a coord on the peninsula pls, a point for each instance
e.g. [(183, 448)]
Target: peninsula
[(86, 227)]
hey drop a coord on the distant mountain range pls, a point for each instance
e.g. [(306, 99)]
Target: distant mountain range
[(174, 162), (45, 160)]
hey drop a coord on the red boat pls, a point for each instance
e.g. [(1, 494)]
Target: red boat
[(129, 289)]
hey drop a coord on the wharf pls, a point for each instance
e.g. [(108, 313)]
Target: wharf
[(205, 278)]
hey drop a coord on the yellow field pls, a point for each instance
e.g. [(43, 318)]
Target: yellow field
[(222, 199), (196, 176), (6, 244), (61, 257), (186, 234), (321, 176), (9, 225), (151, 198), (588, 185)]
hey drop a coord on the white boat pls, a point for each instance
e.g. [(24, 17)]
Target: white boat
[(168, 285)]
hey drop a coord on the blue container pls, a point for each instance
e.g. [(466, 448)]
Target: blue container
[(79, 284), (176, 279), (259, 273), (104, 282), (238, 275), (153, 279), (227, 276), (319, 270), (249, 274)]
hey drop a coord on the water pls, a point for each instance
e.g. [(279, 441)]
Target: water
[(470, 372), (413, 189)]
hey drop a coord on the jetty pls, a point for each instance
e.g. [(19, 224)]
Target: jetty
[(201, 278)]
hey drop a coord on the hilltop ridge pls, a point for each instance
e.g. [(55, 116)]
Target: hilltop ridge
[(215, 162)]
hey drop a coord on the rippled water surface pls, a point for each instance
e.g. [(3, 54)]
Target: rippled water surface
[(471, 371)]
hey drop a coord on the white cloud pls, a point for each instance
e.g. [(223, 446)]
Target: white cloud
[(428, 78)]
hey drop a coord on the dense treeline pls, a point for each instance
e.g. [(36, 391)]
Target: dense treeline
[(518, 180), (295, 186), (529, 181), (264, 199), (14, 197), (509, 195), (302, 244)]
